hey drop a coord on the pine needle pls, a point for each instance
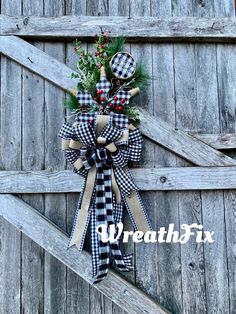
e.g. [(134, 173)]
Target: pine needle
[(141, 77), (116, 45), (71, 102)]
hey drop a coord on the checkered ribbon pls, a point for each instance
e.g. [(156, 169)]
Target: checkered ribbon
[(104, 207), (85, 99)]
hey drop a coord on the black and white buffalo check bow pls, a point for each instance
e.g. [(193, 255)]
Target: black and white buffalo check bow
[(108, 186)]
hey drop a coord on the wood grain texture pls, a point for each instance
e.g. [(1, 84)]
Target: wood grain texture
[(55, 205), (153, 29), (34, 225), (145, 255), (10, 159), (37, 61), (226, 70), (183, 144), (215, 256), (166, 205), (77, 288), (32, 255), (189, 203), (155, 179), (219, 141)]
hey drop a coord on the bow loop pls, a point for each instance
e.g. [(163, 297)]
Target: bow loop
[(111, 133), (86, 134), (67, 131)]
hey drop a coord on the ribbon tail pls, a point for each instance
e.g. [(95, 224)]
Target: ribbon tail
[(82, 216), (103, 210), (137, 212), (124, 263)]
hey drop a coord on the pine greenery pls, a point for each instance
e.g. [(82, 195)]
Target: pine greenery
[(88, 73)]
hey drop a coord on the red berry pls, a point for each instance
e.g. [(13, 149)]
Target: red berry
[(102, 46), (115, 98), (111, 105), (123, 101), (102, 98), (119, 108), (100, 91), (102, 33)]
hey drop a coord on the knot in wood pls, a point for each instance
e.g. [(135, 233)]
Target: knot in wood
[(163, 179), (25, 20)]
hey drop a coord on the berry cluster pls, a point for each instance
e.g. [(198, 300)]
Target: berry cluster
[(115, 103), (102, 50)]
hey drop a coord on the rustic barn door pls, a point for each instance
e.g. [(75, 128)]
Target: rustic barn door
[(188, 120)]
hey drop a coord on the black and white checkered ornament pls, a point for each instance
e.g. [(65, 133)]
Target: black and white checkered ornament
[(85, 99), (123, 65)]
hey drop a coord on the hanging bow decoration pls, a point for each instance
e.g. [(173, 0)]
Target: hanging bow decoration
[(100, 151), (100, 144)]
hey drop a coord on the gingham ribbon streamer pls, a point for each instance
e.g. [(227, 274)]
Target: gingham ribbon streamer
[(103, 213), (104, 207)]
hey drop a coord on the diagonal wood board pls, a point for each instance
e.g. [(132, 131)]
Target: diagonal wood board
[(177, 141), (54, 241)]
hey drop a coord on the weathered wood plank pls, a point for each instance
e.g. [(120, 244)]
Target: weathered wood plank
[(226, 68), (215, 255), (137, 29), (181, 143), (218, 141), (189, 203), (175, 140), (145, 255), (166, 205), (77, 289), (226, 74), (37, 61), (155, 179), (32, 254), (10, 159), (230, 238), (54, 241), (55, 205)]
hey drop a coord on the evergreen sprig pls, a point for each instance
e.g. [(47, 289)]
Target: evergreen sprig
[(141, 77), (88, 74), (72, 102)]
